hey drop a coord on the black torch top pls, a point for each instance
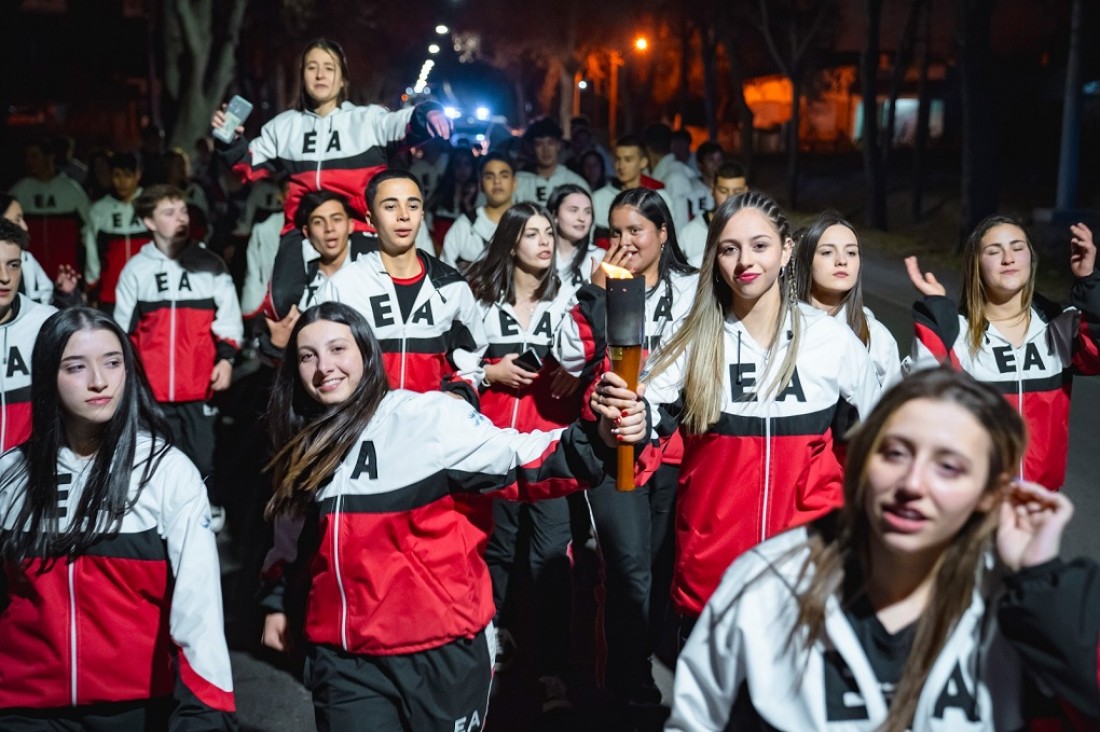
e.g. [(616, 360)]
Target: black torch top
[(625, 311)]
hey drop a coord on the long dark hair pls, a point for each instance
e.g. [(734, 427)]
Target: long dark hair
[(493, 277), (841, 557), (804, 251), (106, 497), (557, 198), (310, 439), (6, 200), (650, 204), (443, 197), (305, 103)]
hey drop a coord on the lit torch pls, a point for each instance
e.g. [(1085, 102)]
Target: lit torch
[(625, 331)]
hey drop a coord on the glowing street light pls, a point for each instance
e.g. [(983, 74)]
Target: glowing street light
[(433, 48), (442, 30), (640, 43), (582, 84)]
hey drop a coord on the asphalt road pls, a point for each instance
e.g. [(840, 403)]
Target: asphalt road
[(271, 700)]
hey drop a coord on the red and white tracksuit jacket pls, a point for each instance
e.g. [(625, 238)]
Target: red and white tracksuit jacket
[(443, 341), (139, 616), (582, 347), (532, 407), (56, 212), (339, 152), (764, 466), (1036, 378), (18, 335), (183, 317), (113, 236), (395, 564), (296, 278)]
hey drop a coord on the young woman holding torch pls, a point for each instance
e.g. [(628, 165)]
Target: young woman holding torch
[(759, 385), (398, 616), (633, 528)]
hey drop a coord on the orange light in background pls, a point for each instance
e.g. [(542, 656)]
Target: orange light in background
[(640, 43)]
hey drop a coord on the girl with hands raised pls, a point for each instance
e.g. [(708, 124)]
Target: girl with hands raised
[(1004, 333)]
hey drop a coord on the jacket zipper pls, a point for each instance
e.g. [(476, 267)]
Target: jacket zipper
[(1020, 393), (72, 631), (339, 576), (4, 389), (516, 396), (321, 160), (767, 471), (172, 351)]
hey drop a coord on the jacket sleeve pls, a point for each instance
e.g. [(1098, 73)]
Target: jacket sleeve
[(466, 345), (387, 126), (859, 383), (204, 686), (417, 130), (91, 252), (581, 345), (884, 354), (482, 458), (283, 561), (936, 330), (710, 672), (227, 328), (258, 272), (1051, 615), (126, 292), (252, 160), (1085, 296)]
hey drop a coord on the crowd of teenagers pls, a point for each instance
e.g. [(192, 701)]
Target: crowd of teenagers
[(386, 353)]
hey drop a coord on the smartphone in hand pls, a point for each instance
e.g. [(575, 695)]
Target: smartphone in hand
[(235, 114), (529, 360)]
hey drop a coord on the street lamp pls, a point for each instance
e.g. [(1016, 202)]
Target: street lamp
[(615, 59), (442, 30), (433, 48)]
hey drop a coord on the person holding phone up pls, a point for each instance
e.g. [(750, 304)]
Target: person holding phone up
[(326, 142), (523, 304)]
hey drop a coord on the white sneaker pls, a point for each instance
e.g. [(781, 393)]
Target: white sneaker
[(217, 518)]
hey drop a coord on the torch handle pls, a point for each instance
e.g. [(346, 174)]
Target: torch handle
[(626, 362)]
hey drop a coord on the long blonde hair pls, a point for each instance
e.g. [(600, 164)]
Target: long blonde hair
[(702, 336), (974, 297)]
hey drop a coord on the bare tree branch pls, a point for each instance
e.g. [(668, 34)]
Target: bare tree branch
[(227, 59)]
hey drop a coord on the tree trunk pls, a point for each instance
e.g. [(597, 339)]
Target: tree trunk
[(198, 72), (902, 58), (979, 147), (565, 104), (685, 68), (710, 81), (792, 140), (1070, 153), (745, 117), (924, 113), (872, 157)]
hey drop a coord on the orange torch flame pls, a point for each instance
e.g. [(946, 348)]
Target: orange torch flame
[(615, 273)]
